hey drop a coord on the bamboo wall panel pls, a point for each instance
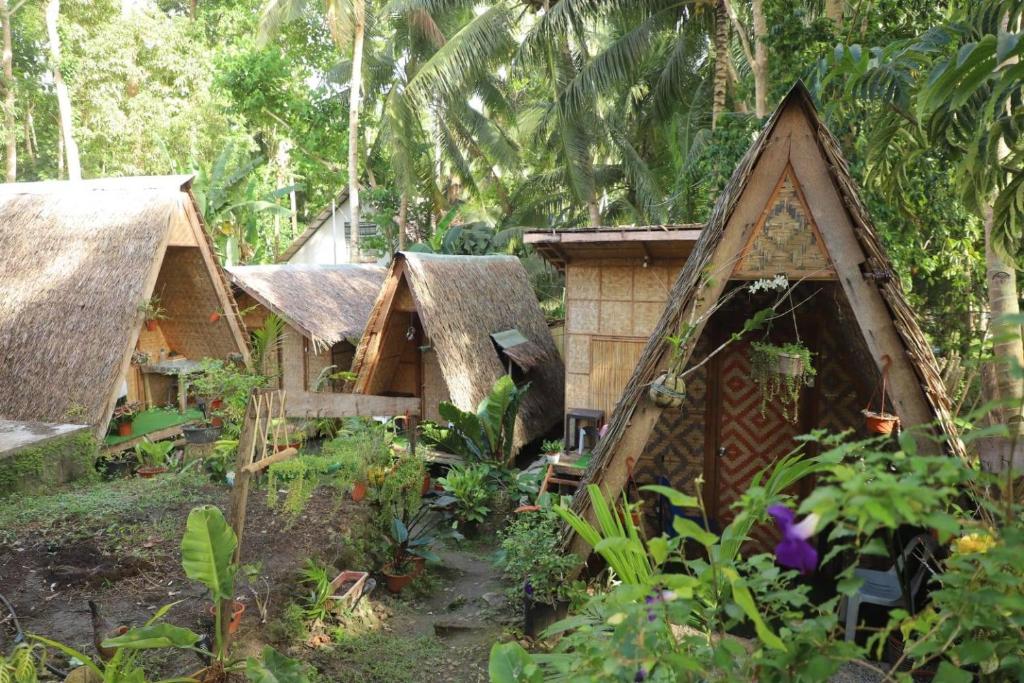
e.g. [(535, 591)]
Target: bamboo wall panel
[(293, 361), (316, 363), (786, 240), (187, 292), (435, 389), (613, 363)]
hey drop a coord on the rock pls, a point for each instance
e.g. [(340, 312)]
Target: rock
[(448, 627), (495, 600)]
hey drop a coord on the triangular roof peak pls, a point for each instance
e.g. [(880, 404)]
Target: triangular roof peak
[(794, 146)]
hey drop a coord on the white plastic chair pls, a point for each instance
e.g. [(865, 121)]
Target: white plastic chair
[(885, 588)]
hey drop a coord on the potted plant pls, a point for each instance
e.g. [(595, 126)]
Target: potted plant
[(881, 422), (668, 389), (152, 311), (470, 488), (201, 432), (140, 358), (123, 418), (781, 371), (116, 465), (532, 559), (552, 450), (152, 457)]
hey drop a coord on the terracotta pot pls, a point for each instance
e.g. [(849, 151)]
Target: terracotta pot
[(216, 422), (668, 390), (151, 325), (238, 609), (419, 565), (789, 364), (216, 404), (396, 582), (150, 472), (426, 485), (214, 317), (880, 423), (358, 491), (124, 429)]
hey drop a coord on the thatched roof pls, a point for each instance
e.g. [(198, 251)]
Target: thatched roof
[(687, 287), (461, 301), (77, 260), (327, 304)]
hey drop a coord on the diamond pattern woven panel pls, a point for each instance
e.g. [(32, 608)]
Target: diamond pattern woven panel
[(752, 441), (840, 403), (786, 241)]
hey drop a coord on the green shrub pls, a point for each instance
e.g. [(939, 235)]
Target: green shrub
[(531, 555), (471, 488)]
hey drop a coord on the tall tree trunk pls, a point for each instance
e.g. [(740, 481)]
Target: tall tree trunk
[(721, 84), (403, 218), (63, 99), (60, 153), (760, 65), (9, 131), (834, 12), (354, 95), (1007, 348)]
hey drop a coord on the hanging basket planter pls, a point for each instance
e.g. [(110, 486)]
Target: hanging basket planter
[(881, 422), (668, 390), (789, 364)]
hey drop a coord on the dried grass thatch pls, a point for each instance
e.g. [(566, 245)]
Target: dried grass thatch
[(687, 287), (461, 301), (326, 304), (77, 259)]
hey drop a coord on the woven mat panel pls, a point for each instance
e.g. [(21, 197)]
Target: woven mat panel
[(752, 441), (186, 290), (676, 446), (840, 401)]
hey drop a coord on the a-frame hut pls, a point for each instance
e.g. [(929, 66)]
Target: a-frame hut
[(790, 208), (78, 261), (324, 309), (445, 328)]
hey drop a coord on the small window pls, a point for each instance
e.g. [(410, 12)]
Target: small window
[(518, 354)]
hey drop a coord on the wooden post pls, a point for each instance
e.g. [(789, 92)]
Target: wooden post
[(246, 449), (411, 424)]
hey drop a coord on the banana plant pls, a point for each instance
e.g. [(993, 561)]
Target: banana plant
[(207, 549), (488, 434)]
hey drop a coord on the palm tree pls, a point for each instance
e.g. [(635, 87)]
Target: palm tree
[(952, 93), (347, 21)]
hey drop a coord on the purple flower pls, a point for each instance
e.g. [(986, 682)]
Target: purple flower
[(641, 675), (793, 550), (528, 589), (651, 616)]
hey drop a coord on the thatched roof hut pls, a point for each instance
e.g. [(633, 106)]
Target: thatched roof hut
[(432, 334), (327, 304), (790, 208), (78, 260)]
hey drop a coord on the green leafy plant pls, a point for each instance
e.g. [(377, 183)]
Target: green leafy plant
[(488, 434), (317, 582), (531, 555), (207, 549), (124, 414), (153, 453), (552, 446), (470, 487), (152, 309), (775, 384)]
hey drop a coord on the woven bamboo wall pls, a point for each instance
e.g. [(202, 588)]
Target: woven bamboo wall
[(315, 364), (187, 293), (293, 376), (435, 389), (616, 304)]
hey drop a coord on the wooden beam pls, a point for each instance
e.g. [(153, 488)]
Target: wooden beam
[(871, 312), (280, 456), (311, 405), (616, 236)]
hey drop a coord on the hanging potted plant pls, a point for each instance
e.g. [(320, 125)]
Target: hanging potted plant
[(881, 422), (668, 389), (152, 311), (781, 371)]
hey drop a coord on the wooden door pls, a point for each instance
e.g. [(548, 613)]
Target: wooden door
[(751, 441)]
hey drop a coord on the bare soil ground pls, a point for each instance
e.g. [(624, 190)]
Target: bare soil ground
[(117, 543)]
